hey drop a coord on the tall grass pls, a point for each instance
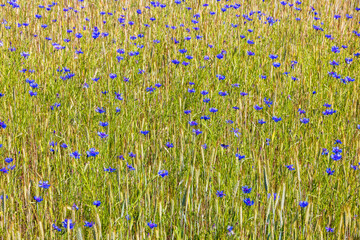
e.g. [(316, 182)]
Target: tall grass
[(184, 204)]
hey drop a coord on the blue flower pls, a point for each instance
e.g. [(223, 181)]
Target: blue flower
[(246, 189), (102, 135), (89, 224), (97, 203), (276, 64), (220, 194), (44, 184), (261, 121), (303, 204), (38, 199), (257, 108), (213, 110), (131, 168), (56, 228), (68, 223), (144, 132), (276, 119), (290, 167), (329, 229), (329, 171), (8, 160), (110, 170), (169, 145), (239, 156), (151, 225), (197, 131), (75, 155), (248, 202), (92, 152), (163, 173), (304, 120)]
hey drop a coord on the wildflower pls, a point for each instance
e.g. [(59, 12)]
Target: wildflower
[(68, 223), (38, 199), (303, 204), (329, 171), (304, 120), (163, 173), (220, 194), (89, 224), (131, 168), (169, 145), (56, 228), (92, 152), (329, 229), (197, 131), (276, 119), (248, 202), (246, 189), (239, 156), (75, 155), (151, 225), (110, 170), (44, 184), (290, 167), (97, 203)]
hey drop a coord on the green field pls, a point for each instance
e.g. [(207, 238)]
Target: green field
[(179, 119)]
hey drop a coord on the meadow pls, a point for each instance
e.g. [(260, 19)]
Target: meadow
[(179, 119)]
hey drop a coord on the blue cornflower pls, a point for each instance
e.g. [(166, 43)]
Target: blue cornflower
[(197, 131), (38, 199), (239, 156), (187, 112), (248, 202), (246, 189), (261, 121), (303, 204), (8, 160), (132, 155), (329, 229), (100, 110), (335, 49), (268, 102), (301, 111), (273, 56), (163, 173), (304, 120), (220, 194), (103, 124), (92, 152), (56, 228), (144, 132), (112, 75), (276, 64), (334, 63), (131, 168), (2, 125), (63, 145), (75, 155), (336, 157), (169, 145), (276, 119), (324, 152), (97, 203), (258, 108), (290, 167), (193, 123), (151, 225), (213, 110), (89, 224), (102, 135), (205, 117), (329, 171), (110, 169), (44, 184), (68, 223)]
